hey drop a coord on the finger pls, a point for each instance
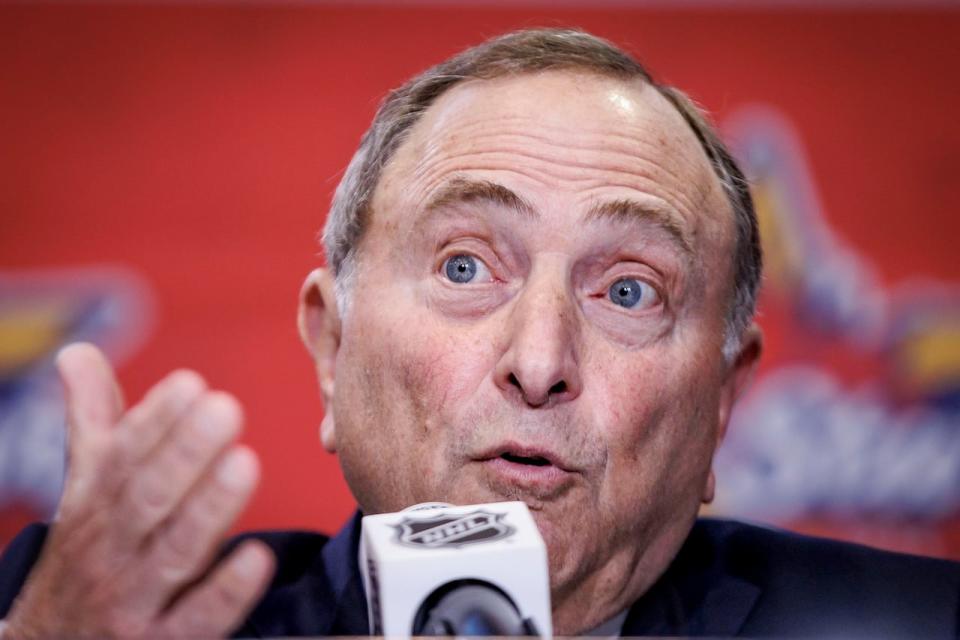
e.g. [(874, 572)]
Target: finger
[(220, 603), (166, 403), (148, 423), (184, 547), (94, 399), (163, 479), (94, 405)]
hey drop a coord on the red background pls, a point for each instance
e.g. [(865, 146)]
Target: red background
[(199, 146)]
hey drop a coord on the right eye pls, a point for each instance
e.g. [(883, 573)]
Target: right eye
[(632, 293), (465, 268)]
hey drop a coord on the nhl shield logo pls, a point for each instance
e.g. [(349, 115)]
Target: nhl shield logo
[(448, 530)]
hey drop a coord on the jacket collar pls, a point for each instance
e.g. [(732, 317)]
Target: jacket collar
[(665, 610), (697, 595), (343, 570)]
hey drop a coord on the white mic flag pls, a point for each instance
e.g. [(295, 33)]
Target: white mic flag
[(436, 569)]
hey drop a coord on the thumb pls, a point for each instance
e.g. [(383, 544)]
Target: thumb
[(94, 405), (94, 399)]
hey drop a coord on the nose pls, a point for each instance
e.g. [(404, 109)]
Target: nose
[(540, 364)]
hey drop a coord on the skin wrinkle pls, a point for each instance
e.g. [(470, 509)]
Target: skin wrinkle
[(672, 278), (546, 178), (467, 127), (519, 141), (427, 218), (570, 169), (461, 190), (422, 370), (627, 150), (685, 206), (623, 143), (626, 210)]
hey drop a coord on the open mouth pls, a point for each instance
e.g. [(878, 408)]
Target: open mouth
[(530, 456), (536, 461), (520, 471)]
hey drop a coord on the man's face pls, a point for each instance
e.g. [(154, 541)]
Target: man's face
[(538, 315)]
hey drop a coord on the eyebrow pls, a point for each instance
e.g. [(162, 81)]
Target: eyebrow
[(462, 190), (626, 210)]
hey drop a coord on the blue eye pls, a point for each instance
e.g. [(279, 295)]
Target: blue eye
[(461, 269), (628, 293)]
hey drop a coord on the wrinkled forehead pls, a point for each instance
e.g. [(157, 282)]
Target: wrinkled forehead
[(559, 100), (624, 130)]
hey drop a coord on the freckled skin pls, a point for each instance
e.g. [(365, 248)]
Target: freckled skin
[(429, 373)]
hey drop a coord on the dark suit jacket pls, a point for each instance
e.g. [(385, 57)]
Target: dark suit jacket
[(728, 579)]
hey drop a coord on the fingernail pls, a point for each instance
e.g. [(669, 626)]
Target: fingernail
[(185, 385), (249, 563), (238, 469), (215, 419)]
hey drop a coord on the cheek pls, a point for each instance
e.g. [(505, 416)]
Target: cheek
[(437, 370), (401, 382), (628, 395), (658, 430)]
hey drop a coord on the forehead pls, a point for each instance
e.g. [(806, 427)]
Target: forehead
[(571, 138), (558, 99)]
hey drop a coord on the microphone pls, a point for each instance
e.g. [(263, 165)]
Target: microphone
[(438, 569)]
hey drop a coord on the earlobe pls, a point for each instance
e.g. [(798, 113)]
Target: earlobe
[(710, 489), (319, 322), (328, 434)]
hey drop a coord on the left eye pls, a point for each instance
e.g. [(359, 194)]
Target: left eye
[(465, 268), (632, 294)]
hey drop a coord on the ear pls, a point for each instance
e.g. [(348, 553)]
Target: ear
[(737, 377), (319, 322)]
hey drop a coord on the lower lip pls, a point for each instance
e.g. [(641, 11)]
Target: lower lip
[(540, 479)]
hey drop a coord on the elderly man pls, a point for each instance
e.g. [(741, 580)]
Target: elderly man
[(543, 272)]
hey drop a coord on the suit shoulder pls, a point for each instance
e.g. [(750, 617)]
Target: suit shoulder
[(300, 599), (296, 551), (17, 561), (761, 548), (848, 585)]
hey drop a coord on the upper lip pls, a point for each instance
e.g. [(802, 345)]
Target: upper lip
[(526, 451)]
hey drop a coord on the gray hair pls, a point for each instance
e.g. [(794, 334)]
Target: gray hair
[(530, 51)]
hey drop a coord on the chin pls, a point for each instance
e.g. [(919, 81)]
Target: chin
[(557, 538)]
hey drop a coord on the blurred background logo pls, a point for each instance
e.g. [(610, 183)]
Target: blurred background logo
[(40, 311), (860, 421)]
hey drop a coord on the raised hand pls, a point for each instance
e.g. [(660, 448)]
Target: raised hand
[(149, 495)]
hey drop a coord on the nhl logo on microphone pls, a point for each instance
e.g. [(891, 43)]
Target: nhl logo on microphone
[(421, 564), (446, 530)]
